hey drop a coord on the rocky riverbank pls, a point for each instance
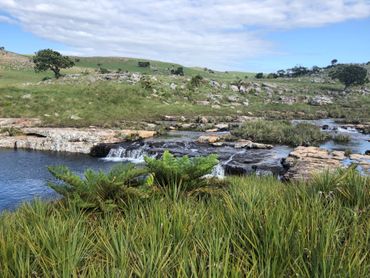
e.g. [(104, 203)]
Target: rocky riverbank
[(66, 139), (237, 157)]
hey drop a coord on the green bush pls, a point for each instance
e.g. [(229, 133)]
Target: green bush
[(196, 81), (281, 132), (259, 75), (99, 190), (183, 173)]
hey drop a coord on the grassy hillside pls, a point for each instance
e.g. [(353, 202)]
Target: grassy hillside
[(158, 93)]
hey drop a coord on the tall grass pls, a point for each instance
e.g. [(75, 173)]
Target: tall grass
[(264, 229), (281, 132)]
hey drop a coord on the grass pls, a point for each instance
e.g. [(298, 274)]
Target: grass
[(263, 229), (281, 132), (109, 104), (342, 138)]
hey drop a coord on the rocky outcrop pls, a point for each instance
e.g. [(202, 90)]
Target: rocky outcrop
[(68, 139), (321, 100), (304, 162)]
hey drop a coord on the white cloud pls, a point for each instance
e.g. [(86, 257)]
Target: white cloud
[(7, 19), (212, 33)]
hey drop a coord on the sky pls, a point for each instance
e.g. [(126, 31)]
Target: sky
[(248, 35)]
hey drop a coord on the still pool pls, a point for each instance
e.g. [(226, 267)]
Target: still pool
[(24, 174)]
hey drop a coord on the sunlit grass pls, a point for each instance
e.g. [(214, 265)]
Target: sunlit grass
[(264, 229)]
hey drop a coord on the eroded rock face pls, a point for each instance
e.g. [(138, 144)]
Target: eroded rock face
[(68, 139), (304, 162)]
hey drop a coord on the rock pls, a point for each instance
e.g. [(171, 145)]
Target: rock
[(320, 100), (222, 127), (210, 139), (27, 96), (214, 84), (287, 100), (304, 162), (203, 102), (170, 118), (246, 103), (173, 86), (362, 160), (75, 118), (367, 152), (216, 106), (251, 145), (234, 88), (232, 98), (242, 89), (202, 120)]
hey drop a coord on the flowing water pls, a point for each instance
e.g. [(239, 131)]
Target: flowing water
[(24, 175)]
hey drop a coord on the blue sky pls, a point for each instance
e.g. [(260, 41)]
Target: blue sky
[(249, 35)]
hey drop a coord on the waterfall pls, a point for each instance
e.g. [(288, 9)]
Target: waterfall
[(135, 155), (218, 171)]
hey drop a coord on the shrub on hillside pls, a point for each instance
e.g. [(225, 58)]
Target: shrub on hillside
[(178, 71), (349, 75), (259, 75), (281, 132), (196, 81), (143, 64), (103, 70)]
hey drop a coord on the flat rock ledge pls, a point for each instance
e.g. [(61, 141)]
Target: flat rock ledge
[(304, 162), (71, 140)]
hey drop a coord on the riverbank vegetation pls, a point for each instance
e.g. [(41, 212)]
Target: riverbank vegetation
[(282, 132), (260, 228)]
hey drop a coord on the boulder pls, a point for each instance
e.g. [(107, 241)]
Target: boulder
[(321, 100), (210, 139), (234, 88), (251, 145), (304, 162)]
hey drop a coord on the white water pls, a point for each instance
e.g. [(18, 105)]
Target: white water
[(123, 154)]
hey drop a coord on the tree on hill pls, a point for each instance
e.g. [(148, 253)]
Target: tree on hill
[(178, 71), (334, 62), (48, 59), (349, 75), (259, 75)]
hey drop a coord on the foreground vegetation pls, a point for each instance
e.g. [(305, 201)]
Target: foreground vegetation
[(260, 227)]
